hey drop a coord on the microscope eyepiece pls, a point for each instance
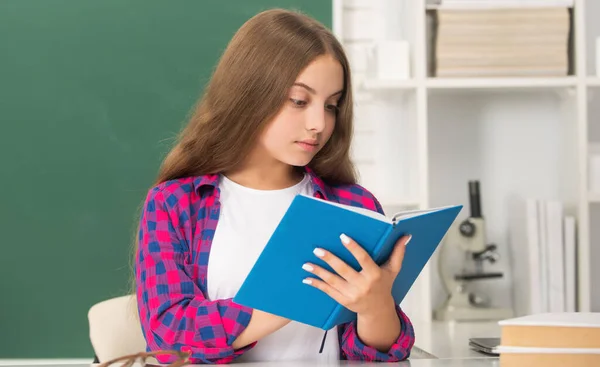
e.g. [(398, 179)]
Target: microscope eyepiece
[(474, 199)]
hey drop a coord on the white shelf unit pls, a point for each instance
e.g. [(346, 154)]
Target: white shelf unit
[(500, 83), (428, 136), (593, 81)]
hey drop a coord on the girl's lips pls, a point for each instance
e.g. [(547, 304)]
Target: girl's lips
[(307, 146)]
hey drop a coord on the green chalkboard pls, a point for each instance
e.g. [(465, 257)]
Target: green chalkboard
[(91, 94)]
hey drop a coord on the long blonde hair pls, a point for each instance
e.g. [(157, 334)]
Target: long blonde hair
[(248, 88)]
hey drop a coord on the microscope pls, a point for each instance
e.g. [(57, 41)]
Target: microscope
[(469, 236)]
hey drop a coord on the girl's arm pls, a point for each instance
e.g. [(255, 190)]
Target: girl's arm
[(371, 338), (382, 332), (174, 313), (381, 329), (354, 347), (261, 324)]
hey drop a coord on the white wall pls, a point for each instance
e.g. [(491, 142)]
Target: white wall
[(593, 32), (592, 29), (381, 118), (514, 144)]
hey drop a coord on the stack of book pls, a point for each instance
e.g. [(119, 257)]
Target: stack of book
[(497, 3), (542, 235), (551, 340), (498, 38)]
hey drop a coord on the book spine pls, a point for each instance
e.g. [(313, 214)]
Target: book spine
[(378, 252), (334, 317)]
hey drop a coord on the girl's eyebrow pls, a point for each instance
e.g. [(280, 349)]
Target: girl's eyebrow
[(312, 91)]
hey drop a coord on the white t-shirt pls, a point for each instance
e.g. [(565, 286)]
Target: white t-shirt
[(248, 217)]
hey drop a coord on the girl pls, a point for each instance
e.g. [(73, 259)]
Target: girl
[(275, 121)]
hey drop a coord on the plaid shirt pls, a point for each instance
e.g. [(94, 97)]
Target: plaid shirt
[(177, 226)]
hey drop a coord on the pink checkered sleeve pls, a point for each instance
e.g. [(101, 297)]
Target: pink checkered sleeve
[(354, 349), (174, 312)]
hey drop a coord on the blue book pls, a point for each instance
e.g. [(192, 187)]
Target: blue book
[(274, 284)]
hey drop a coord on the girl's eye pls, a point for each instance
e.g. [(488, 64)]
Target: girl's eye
[(332, 108), (298, 102)]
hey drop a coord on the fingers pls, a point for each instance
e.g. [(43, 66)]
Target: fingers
[(326, 278), (340, 267), (394, 263), (327, 289), (362, 256)]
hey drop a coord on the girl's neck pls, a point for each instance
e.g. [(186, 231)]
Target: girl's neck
[(266, 178)]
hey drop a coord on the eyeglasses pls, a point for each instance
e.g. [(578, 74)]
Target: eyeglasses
[(129, 360)]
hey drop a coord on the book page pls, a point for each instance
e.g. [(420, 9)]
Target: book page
[(373, 214), (564, 319), (370, 213), (413, 213), (537, 350)]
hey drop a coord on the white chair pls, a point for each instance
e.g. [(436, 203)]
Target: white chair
[(115, 329)]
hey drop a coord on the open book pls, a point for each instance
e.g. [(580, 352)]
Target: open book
[(275, 285)]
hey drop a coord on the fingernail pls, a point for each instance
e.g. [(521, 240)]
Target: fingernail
[(345, 239), (307, 267), (306, 281), (319, 252), (408, 240)]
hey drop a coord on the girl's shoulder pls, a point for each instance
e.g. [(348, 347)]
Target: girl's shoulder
[(355, 195), (349, 194), (180, 190), (176, 187)]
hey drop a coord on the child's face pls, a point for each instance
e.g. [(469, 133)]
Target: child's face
[(306, 121)]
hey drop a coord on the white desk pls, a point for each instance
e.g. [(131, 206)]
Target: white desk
[(451, 340)]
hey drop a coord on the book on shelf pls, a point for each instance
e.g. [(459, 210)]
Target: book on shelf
[(544, 271), (504, 41), (494, 4)]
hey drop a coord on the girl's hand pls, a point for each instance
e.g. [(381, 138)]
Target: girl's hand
[(364, 292)]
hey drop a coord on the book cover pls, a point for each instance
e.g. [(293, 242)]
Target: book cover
[(274, 284)]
